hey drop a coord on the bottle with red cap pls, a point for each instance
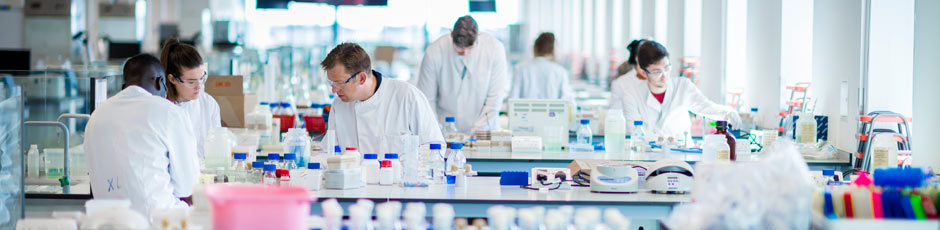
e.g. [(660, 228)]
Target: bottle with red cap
[(354, 152), (283, 177), (386, 174)]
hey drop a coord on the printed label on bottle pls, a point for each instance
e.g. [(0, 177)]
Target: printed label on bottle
[(807, 133), (723, 155), (769, 138), (880, 158)]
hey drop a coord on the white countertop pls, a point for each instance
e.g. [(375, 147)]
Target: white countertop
[(843, 158), (487, 189)]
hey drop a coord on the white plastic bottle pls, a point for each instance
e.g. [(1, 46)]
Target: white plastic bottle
[(32, 159), (450, 130), (387, 174), (585, 135), (615, 131), (259, 121), (354, 152), (436, 165), (313, 176), (716, 149), (370, 168), (396, 167), (638, 141), (455, 157), (884, 152), (298, 143), (806, 128)]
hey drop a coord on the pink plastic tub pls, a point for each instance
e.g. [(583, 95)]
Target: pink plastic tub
[(252, 207)]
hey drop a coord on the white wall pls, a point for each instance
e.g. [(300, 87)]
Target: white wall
[(837, 58), (12, 37), (675, 36), (926, 79), (737, 22), (890, 56), (796, 44), (762, 68)]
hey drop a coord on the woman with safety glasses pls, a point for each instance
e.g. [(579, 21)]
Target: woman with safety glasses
[(186, 75), (663, 103)]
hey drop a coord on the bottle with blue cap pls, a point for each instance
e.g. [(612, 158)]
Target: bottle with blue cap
[(436, 164), (273, 158), (257, 172), (289, 162), (455, 158), (312, 177), (450, 130), (638, 141), (584, 143), (239, 169), (269, 177), (370, 168)]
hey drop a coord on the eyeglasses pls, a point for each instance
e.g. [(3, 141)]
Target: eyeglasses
[(340, 86), (658, 73), (463, 49), (194, 83)]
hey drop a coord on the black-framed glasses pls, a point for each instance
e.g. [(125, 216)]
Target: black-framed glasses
[(341, 85)]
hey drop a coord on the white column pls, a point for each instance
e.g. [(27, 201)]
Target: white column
[(636, 19), (758, 73), (661, 20), (675, 35), (617, 22), (926, 80), (692, 28), (711, 81), (837, 58), (890, 56), (649, 19)]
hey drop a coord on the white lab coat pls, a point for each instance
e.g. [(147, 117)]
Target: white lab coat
[(204, 113), (541, 78), (141, 147), (475, 99), (377, 124), (671, 118)]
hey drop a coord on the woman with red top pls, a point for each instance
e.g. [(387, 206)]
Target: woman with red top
[(663, 103)]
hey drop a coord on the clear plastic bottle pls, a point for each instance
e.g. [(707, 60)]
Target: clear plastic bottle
[(436, 165), (259, 121), (32, 159), (450, 130), (396, 167), (806, 128), (370, 168), (239, 170), (257, 172), (884, 152), (298, 143), (615, 131), (716, 148), (638, 141), (289, 162), (218, 149), (455, 157), (269, 177), (585, 135)]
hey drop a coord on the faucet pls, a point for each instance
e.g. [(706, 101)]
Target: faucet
[(72, 116), (64, 181)]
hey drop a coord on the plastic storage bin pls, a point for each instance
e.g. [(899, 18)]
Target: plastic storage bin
[(249, 207)]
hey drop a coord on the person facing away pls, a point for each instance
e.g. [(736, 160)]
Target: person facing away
[(541, 77), (140, 146), (185, 77), (465, 75), (373, 112)]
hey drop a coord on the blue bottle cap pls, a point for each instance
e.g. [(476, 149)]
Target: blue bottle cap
[(754, 109), (274, 156), (828, 172), (337, 149), (257, 164), (285, 104), (456, 145), (585, 121), (315, 105), (313, 165), (270, 167), (290, 156), (391, 156), (637, 122), (370, 156), (264, 103), (450, 119), (435, 146), (451, 179), (241, 156), (273, 105)]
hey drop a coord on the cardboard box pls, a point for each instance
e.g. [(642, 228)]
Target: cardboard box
[(385, 53), (234, 103)]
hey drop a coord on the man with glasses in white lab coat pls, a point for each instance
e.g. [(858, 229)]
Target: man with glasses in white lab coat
[(373, 112), (465, 75), (140, 145)]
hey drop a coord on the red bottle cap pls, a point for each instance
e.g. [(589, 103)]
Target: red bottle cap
[(282, 172), (386, 164), (351, 149)]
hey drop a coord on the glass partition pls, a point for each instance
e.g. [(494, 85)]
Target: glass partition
[(11, 158), (47, 96)]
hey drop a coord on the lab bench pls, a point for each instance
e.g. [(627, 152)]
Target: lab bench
[(484, 192), (492, 163)]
